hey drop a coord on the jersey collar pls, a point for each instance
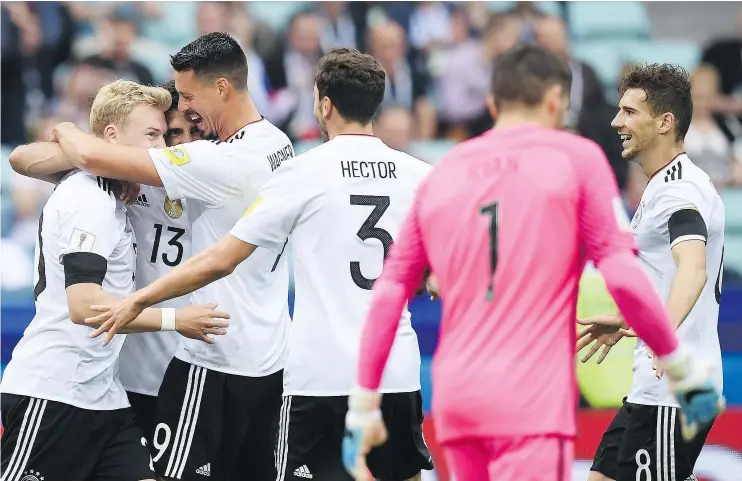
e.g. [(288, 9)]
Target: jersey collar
[(240, 134), (678, 157)]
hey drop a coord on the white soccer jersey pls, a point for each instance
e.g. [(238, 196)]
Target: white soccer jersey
[(659, 224), (56, 359), (220, 180), (342, 203), (163, 237)]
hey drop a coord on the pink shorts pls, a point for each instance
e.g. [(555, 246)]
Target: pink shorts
[(533, 458)]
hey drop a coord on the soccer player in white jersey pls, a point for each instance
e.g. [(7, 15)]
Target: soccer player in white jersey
[(217, 403), (163, 238), (342, 203), (64, 408), (679, 227), (163, 235)]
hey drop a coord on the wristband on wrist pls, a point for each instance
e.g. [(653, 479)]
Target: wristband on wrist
[(168, 319)]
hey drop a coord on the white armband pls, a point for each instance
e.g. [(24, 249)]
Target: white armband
[(168, 319)]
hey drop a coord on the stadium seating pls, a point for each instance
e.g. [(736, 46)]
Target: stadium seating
[(547, 8), (685, 54), (176, 27), (732, 199), (608, 20), (276, 14)]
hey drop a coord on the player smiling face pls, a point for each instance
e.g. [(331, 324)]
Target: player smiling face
[(127, 113), (180, 130), (209, 73), (635, 123), (655, 108)]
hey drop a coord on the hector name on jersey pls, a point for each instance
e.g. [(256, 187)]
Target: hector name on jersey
[(343, 203)]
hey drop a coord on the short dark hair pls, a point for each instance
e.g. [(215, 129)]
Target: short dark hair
[(667, 87), (353, 81), (170, 87), (212, 56), (523, 74)]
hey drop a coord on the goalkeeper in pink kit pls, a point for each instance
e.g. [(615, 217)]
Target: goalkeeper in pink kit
[(506, 222)]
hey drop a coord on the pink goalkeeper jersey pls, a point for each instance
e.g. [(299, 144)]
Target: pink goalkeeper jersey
[(529, 205)]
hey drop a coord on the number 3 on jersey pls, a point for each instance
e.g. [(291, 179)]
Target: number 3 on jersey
[(492, 211), (369, 231)]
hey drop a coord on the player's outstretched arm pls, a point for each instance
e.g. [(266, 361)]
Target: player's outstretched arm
[(47, 161), (204, 268), (41, 160), (84, 273), (114, 161)]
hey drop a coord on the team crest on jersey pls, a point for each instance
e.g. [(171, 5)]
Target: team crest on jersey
[(32, 476), (637, 215), (177, 155), (173, 208)]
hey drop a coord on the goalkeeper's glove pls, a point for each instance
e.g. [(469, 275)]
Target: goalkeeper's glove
[(690, 381), (364, 429)]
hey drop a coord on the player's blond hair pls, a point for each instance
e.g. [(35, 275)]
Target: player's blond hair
[(115, 102)]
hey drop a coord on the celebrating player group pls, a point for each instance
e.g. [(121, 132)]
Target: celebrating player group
[(162, 346)]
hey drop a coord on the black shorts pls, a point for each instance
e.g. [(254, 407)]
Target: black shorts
[(145, 409), (630, 449), (215, 425), (50, 440), (311, 431)]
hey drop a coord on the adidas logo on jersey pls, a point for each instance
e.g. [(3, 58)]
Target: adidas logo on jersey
[(142, 200), (303, 472), (204, 470)]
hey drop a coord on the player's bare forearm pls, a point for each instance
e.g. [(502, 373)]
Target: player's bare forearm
[(202, 269), (690, 278), (638, 301), (41, 160), (99, 157), (81, 296)]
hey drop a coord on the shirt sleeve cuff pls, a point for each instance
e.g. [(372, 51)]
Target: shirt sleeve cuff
[(169, 182), (684, 238), (245, 233)]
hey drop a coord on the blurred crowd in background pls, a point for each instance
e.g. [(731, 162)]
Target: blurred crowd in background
[(437, 55)]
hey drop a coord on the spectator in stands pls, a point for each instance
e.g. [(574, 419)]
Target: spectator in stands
[(21, 37), (29, 195), (407, 84), (117, 34), (81, 87), (463, 80), (709, 142), (212, 17), (291, 72), (337, 26), (726, 56), (394, 127), (241, 25), (589, 114), (232, 17), (430, 26)]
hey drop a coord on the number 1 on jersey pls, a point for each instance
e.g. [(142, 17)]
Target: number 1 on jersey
[(491, 210)]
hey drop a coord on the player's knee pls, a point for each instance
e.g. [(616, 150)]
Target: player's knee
[(417, 477), (596, 476)]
